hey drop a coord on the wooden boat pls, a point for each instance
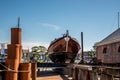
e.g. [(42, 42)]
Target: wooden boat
[(63, 49)]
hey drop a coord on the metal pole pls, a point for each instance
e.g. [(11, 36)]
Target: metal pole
[(82, 47), (118, 19), (18, 22)]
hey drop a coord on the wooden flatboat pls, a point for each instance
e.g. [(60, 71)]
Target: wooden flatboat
[(63, 49)]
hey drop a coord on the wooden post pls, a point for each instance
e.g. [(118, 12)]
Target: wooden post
[(33, 69), (87, 75), (14, 55), (76, 73), (15, 48)]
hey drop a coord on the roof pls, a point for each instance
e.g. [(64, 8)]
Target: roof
[(86, 53), (112, 38), (25, 51)]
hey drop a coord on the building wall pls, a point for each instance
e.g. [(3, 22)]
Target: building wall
[(111, 56), (99, 52)]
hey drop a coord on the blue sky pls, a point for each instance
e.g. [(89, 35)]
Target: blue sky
[(44, 20)]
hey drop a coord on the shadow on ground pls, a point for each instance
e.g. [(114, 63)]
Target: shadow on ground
[(54, 72)]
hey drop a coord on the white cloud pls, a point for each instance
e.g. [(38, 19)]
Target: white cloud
[(29, 45), (53, 26)]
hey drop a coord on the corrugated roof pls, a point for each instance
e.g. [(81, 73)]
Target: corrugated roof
[(112, 38)]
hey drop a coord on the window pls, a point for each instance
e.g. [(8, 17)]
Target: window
[(119, 49), (105, 50)]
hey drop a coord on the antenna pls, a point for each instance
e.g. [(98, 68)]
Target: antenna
[(118, 19), (18, 22)]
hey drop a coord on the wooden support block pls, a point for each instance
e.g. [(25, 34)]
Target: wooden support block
[(14, 51), (12, 73), (16, 35), (25, 71)]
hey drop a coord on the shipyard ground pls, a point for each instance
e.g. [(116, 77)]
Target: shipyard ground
[(80, 72), (50, 74)]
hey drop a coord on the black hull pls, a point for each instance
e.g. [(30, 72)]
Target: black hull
[(62, 57)]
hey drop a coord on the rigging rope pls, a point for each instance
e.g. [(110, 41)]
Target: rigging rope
[(5, 66), (12, 70)]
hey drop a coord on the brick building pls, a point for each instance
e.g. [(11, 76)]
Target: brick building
[(108, 50)]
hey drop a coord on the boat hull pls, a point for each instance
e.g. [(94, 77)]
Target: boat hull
[(62, 57), (63, 49)]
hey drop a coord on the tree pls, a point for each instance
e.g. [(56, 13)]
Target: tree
[(38, 51), (92, 53), (42, 49)]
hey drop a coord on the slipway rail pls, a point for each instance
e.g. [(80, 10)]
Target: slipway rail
[(52, 65)]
